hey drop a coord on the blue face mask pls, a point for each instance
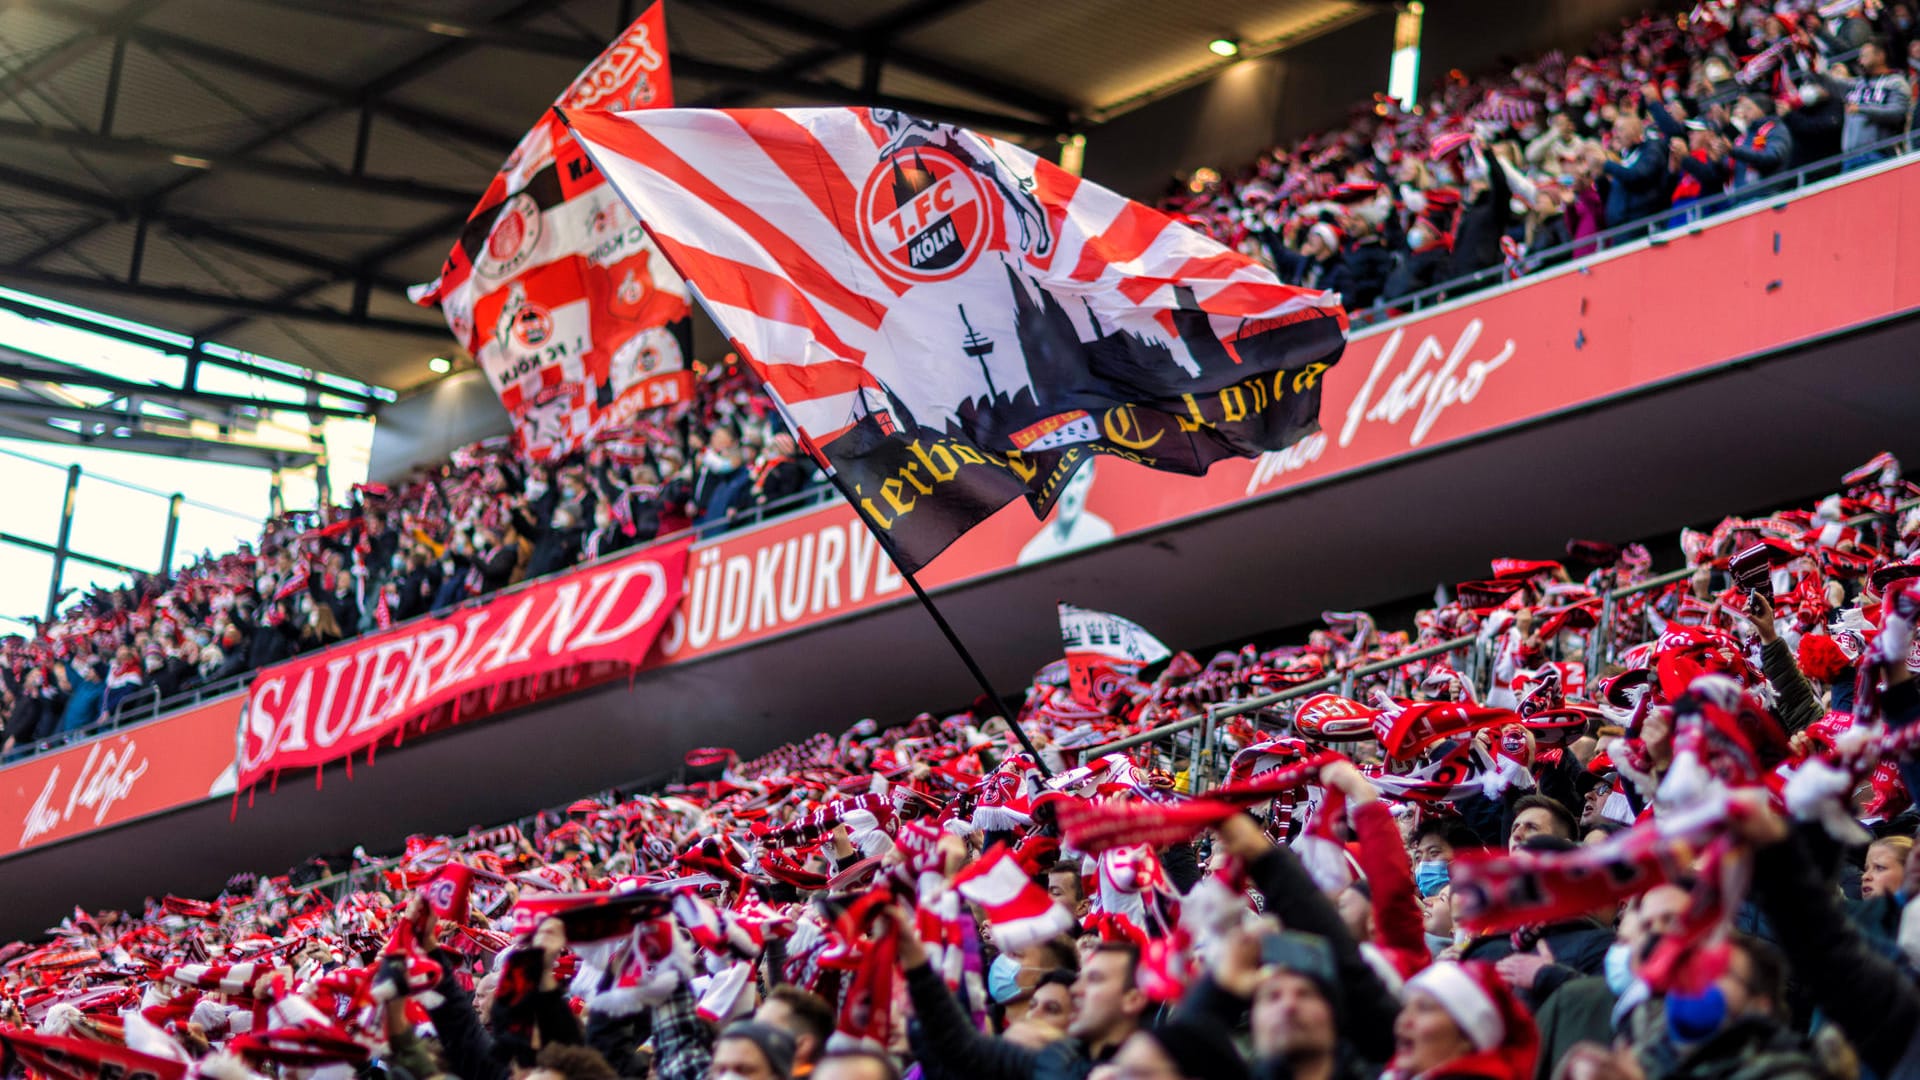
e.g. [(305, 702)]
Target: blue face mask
[(1691, 1018), (1430, 876), (1003, 979), (1619, 968)]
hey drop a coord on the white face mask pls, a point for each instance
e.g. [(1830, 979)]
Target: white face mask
[(1418, 236)]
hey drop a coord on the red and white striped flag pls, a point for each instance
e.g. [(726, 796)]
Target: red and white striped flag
[(951, 322), (1019, 911), (552, 286)]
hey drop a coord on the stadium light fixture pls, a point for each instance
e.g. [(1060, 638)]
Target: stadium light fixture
[(1224, 47), (1403, 74), (439, 365)]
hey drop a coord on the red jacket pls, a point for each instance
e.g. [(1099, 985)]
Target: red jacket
[(1399, 929)]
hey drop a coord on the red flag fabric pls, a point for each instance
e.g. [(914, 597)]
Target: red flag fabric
[(951, 322), (439, 671), (1103, 652), (448, 890), (1096, 826), (1499, 891), (553, 287), (61, 1057), (1406, 732), (1021, 912)]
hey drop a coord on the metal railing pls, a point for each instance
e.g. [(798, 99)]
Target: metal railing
[(146, 703), (1208, 755), (137, 708), (1196, 739), (1658, 228)]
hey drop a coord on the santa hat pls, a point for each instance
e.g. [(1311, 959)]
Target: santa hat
[(1328, 235), (1502, 1032), (1019, 911)]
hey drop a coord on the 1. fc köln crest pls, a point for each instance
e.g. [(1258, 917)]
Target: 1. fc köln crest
[(924, 215)]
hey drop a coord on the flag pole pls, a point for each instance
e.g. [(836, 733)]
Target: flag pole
[(946, 629)]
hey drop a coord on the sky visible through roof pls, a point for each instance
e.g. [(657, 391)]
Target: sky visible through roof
[(120, 508)]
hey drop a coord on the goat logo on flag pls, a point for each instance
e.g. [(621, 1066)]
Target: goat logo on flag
[(951, 323), (553, 286)]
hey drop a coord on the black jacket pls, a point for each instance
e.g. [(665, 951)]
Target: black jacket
[(1476, 244), (1363, 273), (1418, 270), (1639, 184), (553, 548), (1876, 1006)]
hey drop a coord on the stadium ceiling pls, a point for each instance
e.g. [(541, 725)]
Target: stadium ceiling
[(272, 174)]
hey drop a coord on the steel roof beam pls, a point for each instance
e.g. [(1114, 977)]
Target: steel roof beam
[(583, 50), (192, 353), (180, 294), (187, 226), (393, 79), (29, 422), (846, 40), (211, 161), (61, 56), (159, 395)]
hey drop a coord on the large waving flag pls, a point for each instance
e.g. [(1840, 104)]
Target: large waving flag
[(951, 322), (553, 286)]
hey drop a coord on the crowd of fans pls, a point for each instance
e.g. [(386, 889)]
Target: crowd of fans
[(1502, 170), (1511, 170), (482, 521), (1665, 836), (1698, 864)]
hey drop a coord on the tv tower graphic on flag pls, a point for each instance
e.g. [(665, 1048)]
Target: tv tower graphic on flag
[(979, 347)]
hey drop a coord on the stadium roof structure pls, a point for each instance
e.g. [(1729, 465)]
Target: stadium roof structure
[(270, 175)]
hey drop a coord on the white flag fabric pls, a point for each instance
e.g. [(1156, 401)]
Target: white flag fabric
[(952, 322)]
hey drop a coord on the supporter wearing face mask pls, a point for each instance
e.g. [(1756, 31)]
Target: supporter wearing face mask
[(1108, 1006), (721, 487), (1428, 258), (1432, 851), (1735, 1023)]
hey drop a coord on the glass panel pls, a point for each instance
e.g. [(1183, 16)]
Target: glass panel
[(119, 524), (78, 579), (23, 588), (33, 491), (203, 530)]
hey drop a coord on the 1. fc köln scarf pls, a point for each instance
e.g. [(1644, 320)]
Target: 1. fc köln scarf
[(1103, 652), (951, 322), (554, 288)]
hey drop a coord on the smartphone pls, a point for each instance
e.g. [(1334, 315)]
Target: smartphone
[(1306, 953)]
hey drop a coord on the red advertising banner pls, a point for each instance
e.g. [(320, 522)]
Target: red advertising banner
[(548, 638), (183, 758)]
